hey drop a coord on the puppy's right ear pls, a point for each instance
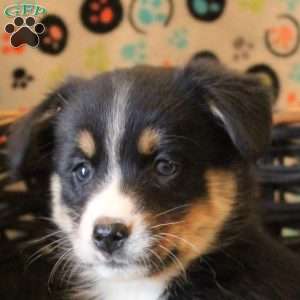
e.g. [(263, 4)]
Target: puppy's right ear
[(31, 138)]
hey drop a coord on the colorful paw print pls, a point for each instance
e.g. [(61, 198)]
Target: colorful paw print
[(242, 48), (21, 78), (293, 98), (295, 74), (97, 58), (254, 6), (292, 5), (56, 76), (101, 16), (283, 38), (145, 13), (179, 39), (149, 12), (268, 77), (134, 52), (55, 38), (7, 48), (206, 10)]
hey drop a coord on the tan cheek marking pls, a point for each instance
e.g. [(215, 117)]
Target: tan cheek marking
[(86, 143), (204, 220), (148, 141)]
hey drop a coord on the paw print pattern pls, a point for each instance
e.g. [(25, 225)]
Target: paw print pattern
[(134, 52), (55, 38), (283, 38), (21, 78), (267, 77), (145, 13), (97, 58), (295, 74), (179, 39), (254, 6), (101, 16), (292, 5), (207, 55), (242, 48), (206, 10), (7, 48), (24, 32)]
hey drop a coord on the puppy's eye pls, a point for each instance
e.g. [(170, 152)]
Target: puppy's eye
[(83, 172), (165, 167)]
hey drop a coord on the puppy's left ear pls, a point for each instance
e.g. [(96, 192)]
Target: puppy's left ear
[(31, 139), (238, 103)]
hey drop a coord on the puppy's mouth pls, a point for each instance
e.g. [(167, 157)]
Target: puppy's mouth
[(153, 263), (115, 264)]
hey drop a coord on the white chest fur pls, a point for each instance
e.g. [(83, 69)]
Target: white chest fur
[(142, 289), (146, 289)]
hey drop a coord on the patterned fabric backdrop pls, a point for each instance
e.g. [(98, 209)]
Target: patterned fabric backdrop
[(85, 37)]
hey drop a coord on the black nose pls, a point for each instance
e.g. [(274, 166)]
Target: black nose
[(110, 237)]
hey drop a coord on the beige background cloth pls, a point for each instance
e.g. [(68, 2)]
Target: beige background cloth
[(262, 35)]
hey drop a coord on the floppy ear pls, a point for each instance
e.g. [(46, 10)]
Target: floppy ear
[(239, 103), (30, 141)]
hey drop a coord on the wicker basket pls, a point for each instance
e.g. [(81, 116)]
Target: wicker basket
[(24, 211)]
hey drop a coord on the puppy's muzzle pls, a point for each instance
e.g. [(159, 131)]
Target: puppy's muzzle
[(110, 236)]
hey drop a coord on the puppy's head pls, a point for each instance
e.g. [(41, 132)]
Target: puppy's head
[(148, 163)]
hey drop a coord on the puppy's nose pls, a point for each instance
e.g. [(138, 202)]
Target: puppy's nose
[(110, 237)]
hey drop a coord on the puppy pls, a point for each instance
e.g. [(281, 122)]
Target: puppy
[(152, 184)]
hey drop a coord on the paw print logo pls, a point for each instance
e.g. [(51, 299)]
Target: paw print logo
[(242, 48), (21, 78), (24, 32), (145, 14), (101, 16), (293, 99), (179, 39)]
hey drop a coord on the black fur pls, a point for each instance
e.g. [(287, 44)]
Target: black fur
[(212, 119)]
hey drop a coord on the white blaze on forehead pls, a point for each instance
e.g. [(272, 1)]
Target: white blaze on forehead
[(117, 118)]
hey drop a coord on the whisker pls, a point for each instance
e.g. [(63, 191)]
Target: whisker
[(39, 253), (153, 252), (181, 239), (39, 240), (175, 259), (56, 266), (166, 224), (171, 210), (157, 267)]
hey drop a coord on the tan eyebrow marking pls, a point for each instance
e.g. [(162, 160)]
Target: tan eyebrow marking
[(148, 141), (86, 143)]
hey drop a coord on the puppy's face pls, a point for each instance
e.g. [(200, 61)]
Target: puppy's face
[(146, 160)]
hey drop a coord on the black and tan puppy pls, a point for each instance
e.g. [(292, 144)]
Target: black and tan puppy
[(152, 186)]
